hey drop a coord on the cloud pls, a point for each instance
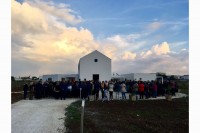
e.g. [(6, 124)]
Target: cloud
[(154, 26), (156, 50), (145, 54), (157, 58), (170, 64), (61, 12), (161, 49), (128, 55), (30, 18)]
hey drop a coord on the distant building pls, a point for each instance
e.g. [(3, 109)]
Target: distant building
[(59, 77), (185, 77), (138, 76), (95, 66)]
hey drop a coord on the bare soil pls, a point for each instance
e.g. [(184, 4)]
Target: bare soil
[(152, 116), (15, 97)]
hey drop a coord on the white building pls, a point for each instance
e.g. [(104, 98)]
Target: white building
[(95, 66), (59, 77), (185, 77), (138, 76)]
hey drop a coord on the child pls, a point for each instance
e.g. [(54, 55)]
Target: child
[(105, 95)]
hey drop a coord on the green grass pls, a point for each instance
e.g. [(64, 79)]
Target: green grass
[(18, 85), (73, 115), (184, 86)]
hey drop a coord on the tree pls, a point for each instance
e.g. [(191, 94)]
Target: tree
[(12, 78), (34, 78), (162, 74)]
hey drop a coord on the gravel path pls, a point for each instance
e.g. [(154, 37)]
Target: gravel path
[(39, 116)]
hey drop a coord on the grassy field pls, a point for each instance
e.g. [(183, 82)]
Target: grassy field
[(17, 86), (184, 86), (127, 117)]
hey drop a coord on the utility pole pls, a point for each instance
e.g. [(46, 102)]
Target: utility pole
[(82, 114)]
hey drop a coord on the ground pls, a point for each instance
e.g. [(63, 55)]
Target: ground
[(152, 116), (47, 115), (39, 116)]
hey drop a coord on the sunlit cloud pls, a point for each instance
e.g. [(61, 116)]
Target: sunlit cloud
[(60, 12), (128, 55), (161, 49)]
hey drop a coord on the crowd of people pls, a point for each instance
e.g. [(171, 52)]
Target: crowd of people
[(84, 89)]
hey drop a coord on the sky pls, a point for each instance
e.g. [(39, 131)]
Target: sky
[(140, 36)]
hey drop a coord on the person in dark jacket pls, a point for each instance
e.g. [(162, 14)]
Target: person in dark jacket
[(96, 89), (118, 89), (32, 86), (25, 90), (84, 92), (102, 89), (80, 87), (89, 87), (57, 90), (62, 90)]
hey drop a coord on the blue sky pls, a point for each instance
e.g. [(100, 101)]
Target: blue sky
[(132, 32), (112, 17)]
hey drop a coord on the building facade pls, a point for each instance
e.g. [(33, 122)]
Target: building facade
[(59, 77), (138, 76), (95, 66)]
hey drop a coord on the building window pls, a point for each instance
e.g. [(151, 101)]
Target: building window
[(95, 60)]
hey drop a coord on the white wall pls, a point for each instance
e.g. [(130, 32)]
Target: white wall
[(54, 77), (88, 67), (137, 76), (58, 77), (128, 76), (145, 76)]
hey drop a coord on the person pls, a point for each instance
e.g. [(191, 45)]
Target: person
[(62, 89), (173, 86), (176, 87), (141, 89), (155, 89), (80, 87), (135, 88), (105, 95), (89, 87), (31, 87), (123, 90), (84, 92), (69, 88), (75, 90), (111, 86), (25, 90), (102, 89), (147, 89), (96, 89), (57, 90), (117, 88), (45, 89), (161, 88)]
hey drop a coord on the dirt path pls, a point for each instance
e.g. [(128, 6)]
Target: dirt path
[(39, 116)]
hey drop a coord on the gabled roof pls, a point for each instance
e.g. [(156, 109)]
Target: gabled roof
[(95, 52)]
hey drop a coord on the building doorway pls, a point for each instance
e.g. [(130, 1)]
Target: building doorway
[(95, 77)]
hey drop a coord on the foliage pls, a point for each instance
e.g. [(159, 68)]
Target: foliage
[(34, 78), (183, 85), (12, 78)]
